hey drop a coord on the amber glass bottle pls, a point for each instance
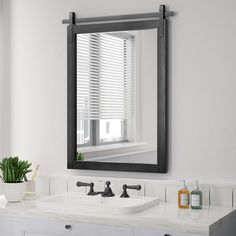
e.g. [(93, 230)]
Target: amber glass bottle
[(183, 196)]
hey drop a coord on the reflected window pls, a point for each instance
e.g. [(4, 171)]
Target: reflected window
[(106, 83)]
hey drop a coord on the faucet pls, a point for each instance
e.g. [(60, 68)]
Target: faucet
[(106, 193), (125, 187), (91, 185)]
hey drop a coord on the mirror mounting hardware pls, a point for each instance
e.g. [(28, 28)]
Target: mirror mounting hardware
[(162, 14)]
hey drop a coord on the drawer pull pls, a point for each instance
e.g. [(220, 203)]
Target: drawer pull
[(68, 227), (166, 234)]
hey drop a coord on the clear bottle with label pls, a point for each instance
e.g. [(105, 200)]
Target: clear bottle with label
[(183, 196), (196, 198)]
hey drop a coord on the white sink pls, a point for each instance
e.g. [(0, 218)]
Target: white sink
[(78, 203)]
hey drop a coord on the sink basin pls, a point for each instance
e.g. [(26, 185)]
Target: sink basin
[(78, 203)]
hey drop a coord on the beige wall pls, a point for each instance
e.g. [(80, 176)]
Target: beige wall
[(202, 134)]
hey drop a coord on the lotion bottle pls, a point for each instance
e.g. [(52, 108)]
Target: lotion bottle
[(183, 196), (196, 198)]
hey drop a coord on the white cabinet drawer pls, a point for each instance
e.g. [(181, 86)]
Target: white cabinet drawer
[(5, 226), (102, 230), (36, 234), (37, 226), (46, 227), (148, 232), (25, 233), (33, 234)]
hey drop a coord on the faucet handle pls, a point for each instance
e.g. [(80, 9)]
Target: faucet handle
[(81, 184), (125, 187), (91, 185), (136, 187), (108, 183)]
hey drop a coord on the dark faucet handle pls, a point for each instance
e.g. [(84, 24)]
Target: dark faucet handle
[(91, 185), (83, 184), (108, 183), (136, 187), (91, 190), (125, 187)]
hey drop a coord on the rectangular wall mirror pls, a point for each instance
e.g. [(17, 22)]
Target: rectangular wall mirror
[(117, 96), (117, 92)]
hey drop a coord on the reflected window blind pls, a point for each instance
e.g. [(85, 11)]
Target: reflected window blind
[(105, 72)]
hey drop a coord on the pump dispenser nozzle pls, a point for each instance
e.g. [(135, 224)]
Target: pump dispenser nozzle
[(183, 181)]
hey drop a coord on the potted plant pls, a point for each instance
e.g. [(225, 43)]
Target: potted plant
[(13, 173), (80, 156)]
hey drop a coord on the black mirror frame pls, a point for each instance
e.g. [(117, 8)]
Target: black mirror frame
[(157, 20)]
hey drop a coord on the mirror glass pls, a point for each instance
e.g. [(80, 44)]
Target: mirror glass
[(117, 97)]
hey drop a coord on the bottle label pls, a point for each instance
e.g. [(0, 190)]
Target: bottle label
[(195, 200), (184, 201)]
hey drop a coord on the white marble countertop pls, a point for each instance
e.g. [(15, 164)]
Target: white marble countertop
[(163, 216)]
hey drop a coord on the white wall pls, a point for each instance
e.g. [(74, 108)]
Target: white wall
[(202, 134), (1, 73), (4, 85)]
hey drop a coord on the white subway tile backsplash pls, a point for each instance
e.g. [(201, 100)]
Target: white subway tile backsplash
[(205, 195), (172, 192), (1, 187), (58, 184), (98, 184), (221, 196), (153, 189), (72, 185), (43, 186), (234, 197)]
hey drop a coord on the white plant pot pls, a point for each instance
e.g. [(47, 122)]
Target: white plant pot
[(14, 192)]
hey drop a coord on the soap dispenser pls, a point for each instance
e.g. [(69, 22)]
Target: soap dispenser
[(196, 198), (183, 196)]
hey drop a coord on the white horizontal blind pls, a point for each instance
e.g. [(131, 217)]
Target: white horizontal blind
[(105, 71)]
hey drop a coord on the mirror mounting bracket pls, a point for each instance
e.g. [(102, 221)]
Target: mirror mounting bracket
[(162, 14)]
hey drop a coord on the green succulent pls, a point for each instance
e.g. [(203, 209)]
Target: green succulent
[(14, 170), (80, 156)]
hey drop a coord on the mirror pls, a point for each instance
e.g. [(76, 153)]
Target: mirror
[(117, 92), (117, 96)]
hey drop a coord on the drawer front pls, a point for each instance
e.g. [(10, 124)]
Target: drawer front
[(37, 226), (148, 232), (36, 234), (5, 226), (101, 230), (45, 228)]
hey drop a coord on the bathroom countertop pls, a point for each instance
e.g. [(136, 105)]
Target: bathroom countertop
[(163, 216)]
